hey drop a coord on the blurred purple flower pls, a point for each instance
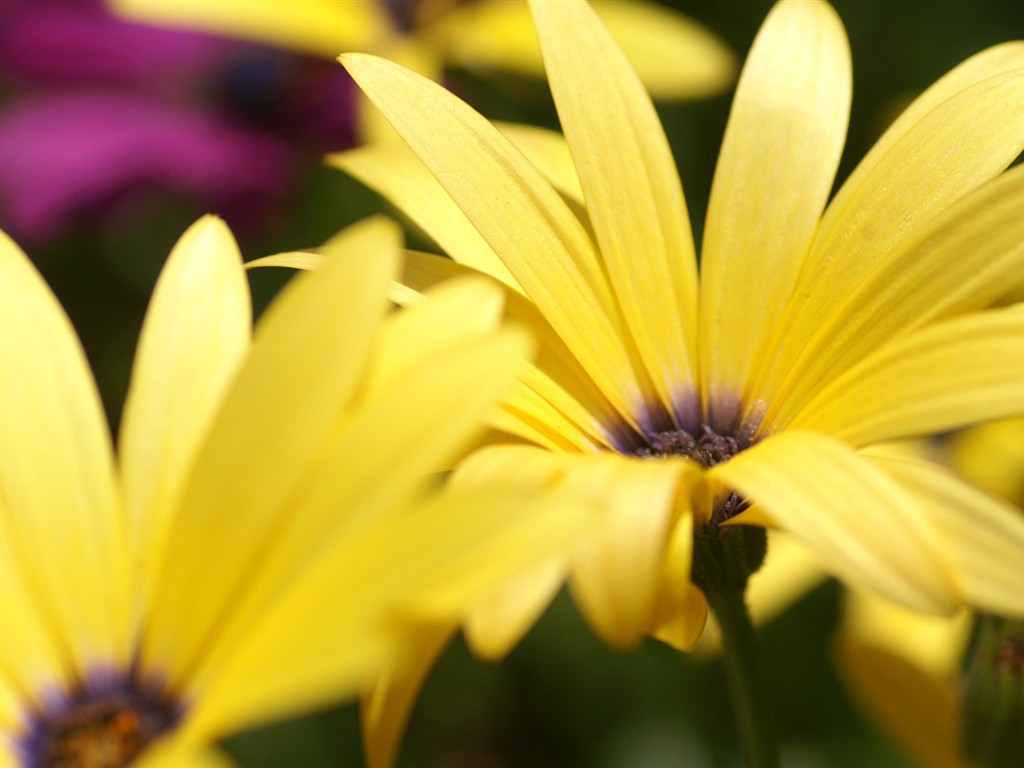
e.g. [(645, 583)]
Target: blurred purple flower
[(93, 108), (64, 155)]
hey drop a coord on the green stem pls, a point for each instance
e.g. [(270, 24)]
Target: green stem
[(746, 683)]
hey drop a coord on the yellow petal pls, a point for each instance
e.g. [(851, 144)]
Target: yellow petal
[(994, 61), (866, 528), (675, 56), (404, 427), (956, 147), (549, 151), (387, 704), (775, 171), (394, 172), (617, 569), (962, 259), (619, 565), (950, 374), (935, 644), (984, 537), (499, 619), (632, 191), (681, 610), (518, 213), (345, 619), (291, 259), (195, 335), (62, 526), (991, 457), (319, 27), (307, 359), (919, 712)]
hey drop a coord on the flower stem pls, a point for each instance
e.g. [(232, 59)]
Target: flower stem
[(746, 683)]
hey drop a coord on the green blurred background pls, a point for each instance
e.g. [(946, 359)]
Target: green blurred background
[(561, 698)]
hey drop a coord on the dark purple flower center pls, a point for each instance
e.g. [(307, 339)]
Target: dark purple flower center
[(100, 725)]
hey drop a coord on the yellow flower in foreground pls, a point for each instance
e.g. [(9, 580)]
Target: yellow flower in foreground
[(270, 520), (429, 35), (812, 334)]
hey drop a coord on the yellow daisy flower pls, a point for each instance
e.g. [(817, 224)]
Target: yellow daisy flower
[(428, 35), (268, 519), (813, 332)]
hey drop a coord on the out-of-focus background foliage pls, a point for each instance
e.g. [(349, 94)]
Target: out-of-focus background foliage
[(110, 147)]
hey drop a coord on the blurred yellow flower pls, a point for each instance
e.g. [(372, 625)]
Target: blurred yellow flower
[(269, 519), (905, 668), (676, 57)]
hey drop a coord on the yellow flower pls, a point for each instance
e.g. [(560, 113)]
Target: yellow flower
[(812, 334), (482, 35), (268, 519)]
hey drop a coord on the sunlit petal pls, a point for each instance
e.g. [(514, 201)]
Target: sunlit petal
[(947, 375), (568, 286), (196, 333), (775, 171), (632, 191), (866, 528), (62, 523)]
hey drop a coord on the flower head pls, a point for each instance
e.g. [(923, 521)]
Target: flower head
[(812, 333), (270, 519)]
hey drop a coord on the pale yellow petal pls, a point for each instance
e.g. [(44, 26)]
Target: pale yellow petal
[(617, 570), (195, 335), (963, 259), (307, 360), (935, 644), (319, 27), (394, 172), (991, 456), (982, 536), (549, 151), (388, 703), (919, 712), (518, 213), (959, 145), (62, 524), (775, 171), (994, 61), (344, 620), (405, 426), (953, 373), (866, 528), (681, 610), (674, 56), (633, 194), (308, 260), (499, 619), (618, 566)]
